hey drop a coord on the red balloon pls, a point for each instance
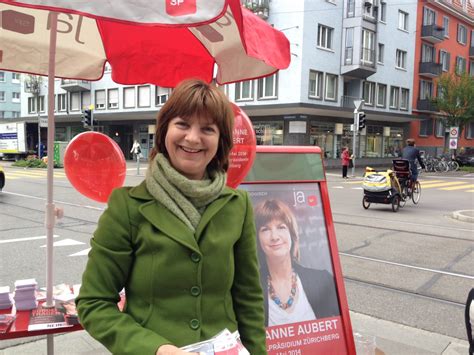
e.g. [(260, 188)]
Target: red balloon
[(95, 165), (243, 153)]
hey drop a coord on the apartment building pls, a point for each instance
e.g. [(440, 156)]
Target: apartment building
[(342, 51), (444, 44), (9, 95)]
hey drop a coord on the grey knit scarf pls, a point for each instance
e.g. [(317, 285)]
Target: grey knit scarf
[(185, 198)]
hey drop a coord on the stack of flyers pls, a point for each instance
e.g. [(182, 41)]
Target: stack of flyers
[(224, 343), (6, 321), (5, 299), (25, 294)]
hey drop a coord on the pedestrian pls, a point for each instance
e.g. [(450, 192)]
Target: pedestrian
[(181, 244), (345, 160), (136, 150)]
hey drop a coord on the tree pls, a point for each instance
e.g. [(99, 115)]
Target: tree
[(455, 99), (33, 84)]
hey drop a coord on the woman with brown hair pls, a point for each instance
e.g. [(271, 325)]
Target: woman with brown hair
[(181, 243), (293, 293)]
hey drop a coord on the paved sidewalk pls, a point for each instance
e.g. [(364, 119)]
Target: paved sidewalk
[(391, 338)]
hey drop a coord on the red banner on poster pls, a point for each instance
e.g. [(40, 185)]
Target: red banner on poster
[(322, 336)]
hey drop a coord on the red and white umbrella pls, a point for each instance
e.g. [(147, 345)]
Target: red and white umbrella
[(158, 42), (145, 41)]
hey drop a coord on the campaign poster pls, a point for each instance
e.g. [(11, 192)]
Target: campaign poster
[(302, 311)]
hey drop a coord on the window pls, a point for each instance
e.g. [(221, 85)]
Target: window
[(15, 97), (113, 98), (462, 34), (2, 114), (129, 97), (32, 105), (162, 95), (470, 130), (62, 102), (426, 127), (144, 96), (16, 114), (41, 103), (426, 90), (444, 58), (268, 132), (268, 87), (368, 93), (350, 8), (86, 99), (446, 26), (471, 68), (100, 100), (244, 91), (349, 46), (368, 47), (460, 65), (331, 87), (428, 53), (16, 77), (315, 90), (394, 93), (369, 11), (380, 54), (383, 12), (401, 59), (2, 96), (429, 16), (381, 95), (2, 76), (75, 101), (402, 20), (440, 129), (325, 35), (404, 99)]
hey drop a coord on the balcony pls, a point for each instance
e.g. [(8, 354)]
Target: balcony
[(432, 33), (471, 52), (359, 69), (426, 105), (261, 8), (430, 69), (75, 85)]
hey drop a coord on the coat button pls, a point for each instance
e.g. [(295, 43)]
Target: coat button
[(195, 257), (195, 291), (194, 324)]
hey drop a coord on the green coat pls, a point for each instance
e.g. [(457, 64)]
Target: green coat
[(181, 287)]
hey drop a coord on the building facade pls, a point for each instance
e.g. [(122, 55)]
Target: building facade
[(9, 96), (444, 45)]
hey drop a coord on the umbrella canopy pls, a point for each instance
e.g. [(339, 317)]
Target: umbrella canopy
[(144, 41)]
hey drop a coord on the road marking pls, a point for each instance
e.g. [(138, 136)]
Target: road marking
[(429, 181), (354, 182), (338, 187), (55, 201), (81, 253), (409, 266), (64, 243), (357, 188), (466, 186), (24, 239), (429, 186)]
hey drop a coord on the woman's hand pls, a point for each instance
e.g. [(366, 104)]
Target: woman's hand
[(168, 349)]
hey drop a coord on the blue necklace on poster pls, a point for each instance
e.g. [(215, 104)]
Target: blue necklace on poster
[(302, 311)]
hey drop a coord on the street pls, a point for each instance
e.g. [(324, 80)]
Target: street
[(413, 267)]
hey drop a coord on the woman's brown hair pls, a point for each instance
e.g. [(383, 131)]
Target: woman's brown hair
[(196, 98)]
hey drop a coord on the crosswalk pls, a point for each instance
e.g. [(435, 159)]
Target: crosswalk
[(442, 185), (14, 174)]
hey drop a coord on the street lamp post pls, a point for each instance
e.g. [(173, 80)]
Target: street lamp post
[(355, 130)]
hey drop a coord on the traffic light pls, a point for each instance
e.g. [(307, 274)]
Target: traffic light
[(361, 121), (87, 119)]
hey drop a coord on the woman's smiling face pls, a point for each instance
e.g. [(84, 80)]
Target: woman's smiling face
[(275, 239), (191, 144)]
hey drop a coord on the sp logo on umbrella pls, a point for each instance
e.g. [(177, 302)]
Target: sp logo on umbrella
[(180, 7)]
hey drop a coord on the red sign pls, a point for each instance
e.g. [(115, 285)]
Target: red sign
[(180, 7)]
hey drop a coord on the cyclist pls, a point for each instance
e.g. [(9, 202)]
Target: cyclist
[(412, 154)]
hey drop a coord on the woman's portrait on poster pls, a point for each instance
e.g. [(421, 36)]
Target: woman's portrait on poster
[(293, 293)]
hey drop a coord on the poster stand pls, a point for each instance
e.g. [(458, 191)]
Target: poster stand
[(287, 185)]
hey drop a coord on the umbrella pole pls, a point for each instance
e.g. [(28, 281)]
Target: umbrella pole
[(50, 209)]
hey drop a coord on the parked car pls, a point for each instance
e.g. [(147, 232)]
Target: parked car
[(466, 157), (2, 178)]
